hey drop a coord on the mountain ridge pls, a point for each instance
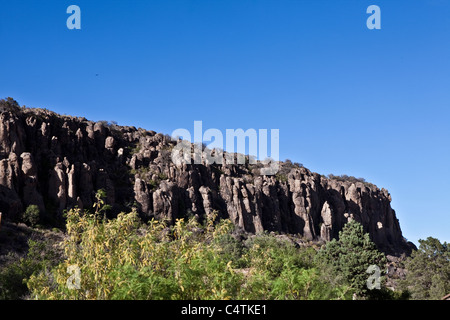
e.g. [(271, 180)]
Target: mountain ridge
[(57, 162)]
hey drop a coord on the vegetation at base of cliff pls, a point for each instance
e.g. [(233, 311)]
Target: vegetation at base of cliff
[(428, 268), (31, 215), (41, 257), (125, 258)]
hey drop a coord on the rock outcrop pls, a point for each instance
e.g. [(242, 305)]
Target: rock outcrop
[(58, 162)]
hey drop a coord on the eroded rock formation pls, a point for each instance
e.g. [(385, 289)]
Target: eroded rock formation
[(58, 162)]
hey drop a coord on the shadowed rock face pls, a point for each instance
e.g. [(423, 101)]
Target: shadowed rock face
[(58, 162)]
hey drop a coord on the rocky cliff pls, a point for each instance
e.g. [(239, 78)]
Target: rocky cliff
[(58, 162)]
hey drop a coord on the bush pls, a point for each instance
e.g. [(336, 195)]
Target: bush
[(8, 105), (31, 215), (280, 270), (285, 168), (125, 258), (305, 284), (230, 249), (13, 276), (268, 254)]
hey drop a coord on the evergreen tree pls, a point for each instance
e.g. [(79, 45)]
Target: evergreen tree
[(428, 270), (349, 258)]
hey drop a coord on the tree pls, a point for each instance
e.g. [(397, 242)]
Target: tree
[(31, 215), (428, 270), (349, 258)]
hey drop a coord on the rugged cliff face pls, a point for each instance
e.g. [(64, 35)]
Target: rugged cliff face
[(58, 162)]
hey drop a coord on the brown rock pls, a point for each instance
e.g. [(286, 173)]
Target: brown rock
[(67, 159)]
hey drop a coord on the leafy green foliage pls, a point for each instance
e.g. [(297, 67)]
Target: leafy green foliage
[(9, 104), (31, 215), (279, 270), (428, 270), (294, 284), (100, 205), (281, 177), (125, 258), (349, 257), (269, 254), (13, 275), (230, 249)]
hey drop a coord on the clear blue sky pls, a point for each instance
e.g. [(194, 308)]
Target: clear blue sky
[(347, 100)]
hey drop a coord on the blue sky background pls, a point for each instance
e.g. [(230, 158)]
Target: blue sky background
[(347, 100)]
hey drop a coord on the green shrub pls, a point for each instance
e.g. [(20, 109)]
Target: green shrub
[(230, 249), (124, 258), (31, 215), (281, 177), (13, 275), (281, 270), (305, 284)]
